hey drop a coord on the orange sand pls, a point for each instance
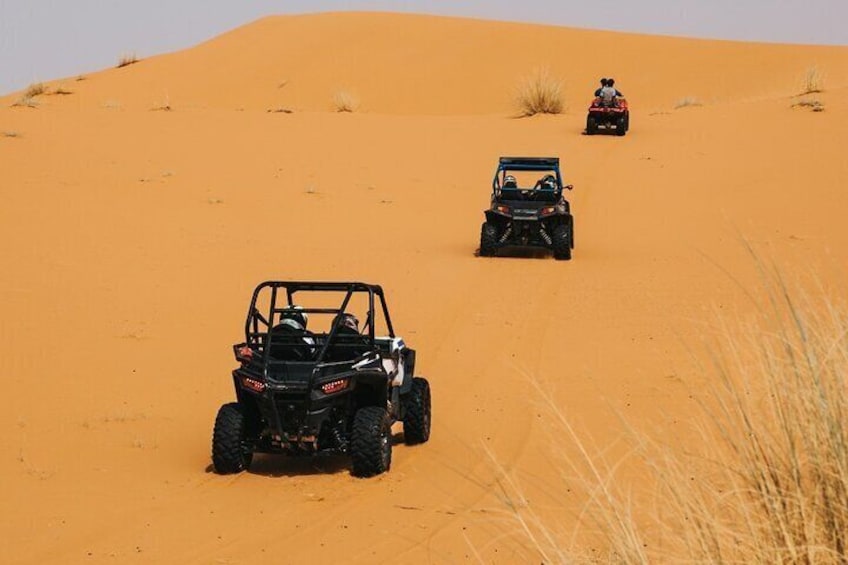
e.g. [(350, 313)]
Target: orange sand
[(131, 239)]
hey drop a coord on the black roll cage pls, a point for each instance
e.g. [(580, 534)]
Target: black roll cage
[(258, 339)]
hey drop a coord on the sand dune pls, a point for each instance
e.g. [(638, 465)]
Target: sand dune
[(132, 238)]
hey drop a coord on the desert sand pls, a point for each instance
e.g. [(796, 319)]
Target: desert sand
[(140, 210)]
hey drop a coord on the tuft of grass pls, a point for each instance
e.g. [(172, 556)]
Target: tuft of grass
[(539, 93), (165, 106), (813, 81), (59, 91), (35, 89), (126, 60), (687, 101), (25, 102), (810, 102), (11, 133), (767, 479), (344, 101)]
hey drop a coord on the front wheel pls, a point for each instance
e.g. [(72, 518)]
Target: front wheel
[(416, 419), (231, 451), (488, 240), (371, 442), (562, 238)]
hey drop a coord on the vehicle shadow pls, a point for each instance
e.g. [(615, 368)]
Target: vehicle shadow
[(518, 252), (276, 465), (270, 465), (601, 132)]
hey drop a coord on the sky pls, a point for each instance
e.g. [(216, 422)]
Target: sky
[(41, 40)]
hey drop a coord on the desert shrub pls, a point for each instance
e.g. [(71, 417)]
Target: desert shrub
[(126, 60), (539, 93), (767, 482), (344, 101), (687, 101), (813, 81)]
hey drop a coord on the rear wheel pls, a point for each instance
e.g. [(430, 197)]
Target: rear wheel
[(371, 442), (561, 240), (231, 451), (488, 240), (621, 126), (416, 419), (591, 126)]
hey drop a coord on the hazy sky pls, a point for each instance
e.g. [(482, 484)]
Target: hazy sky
[(47, 39)]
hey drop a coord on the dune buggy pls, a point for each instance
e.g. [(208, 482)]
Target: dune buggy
[(609, 117), (309, 381), (527, 208)]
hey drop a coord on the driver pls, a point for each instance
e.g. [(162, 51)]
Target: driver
[(295, 320), (510, 182), (598, 91)]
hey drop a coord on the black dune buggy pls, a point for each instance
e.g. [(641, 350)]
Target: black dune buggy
[(309, 381), (528, 209)]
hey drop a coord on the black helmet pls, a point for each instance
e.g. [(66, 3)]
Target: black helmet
[(295, 314), (347, 320)]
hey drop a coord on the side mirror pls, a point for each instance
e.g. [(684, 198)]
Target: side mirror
[(569, 186)]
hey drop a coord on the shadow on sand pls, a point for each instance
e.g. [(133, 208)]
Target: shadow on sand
[(276, 465)]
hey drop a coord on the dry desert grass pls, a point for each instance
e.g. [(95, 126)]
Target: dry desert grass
[(126, 60), (344, 101), (540, 93), (813, 81), (766, 483)]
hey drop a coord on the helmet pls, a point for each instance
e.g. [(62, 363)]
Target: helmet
[(347, 321), (350, 321), (294, 314), (510, 182), (604, 81), (610, 81)]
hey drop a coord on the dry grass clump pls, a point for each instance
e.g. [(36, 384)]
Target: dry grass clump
[(10, 133), (28, 98), (59, 91), (34, 90), (768, 480), (687, 101), (126, 60), (813, 81), (344, 101), (810, 102), (25, 102), (540, 93)]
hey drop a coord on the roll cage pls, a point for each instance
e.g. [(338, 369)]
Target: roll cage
[(259, 327), (507, 165)]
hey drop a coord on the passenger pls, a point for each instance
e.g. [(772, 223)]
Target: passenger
[(510, 182), (349, 343), (611, 84), (608, 94), (348, 323)]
